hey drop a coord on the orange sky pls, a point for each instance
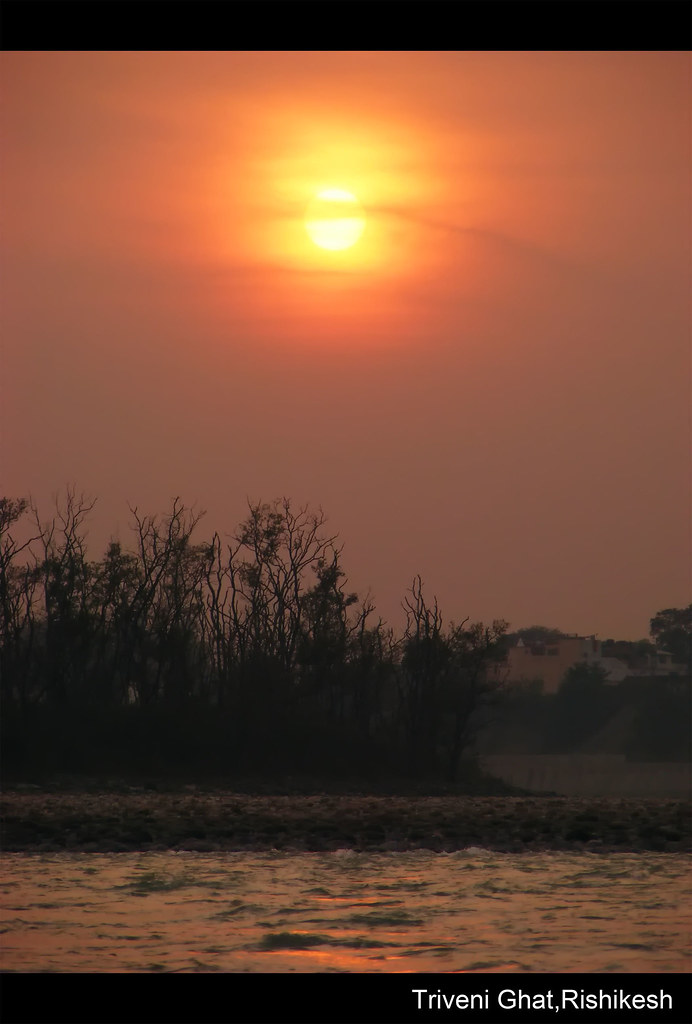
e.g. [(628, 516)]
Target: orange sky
[(492, 389)]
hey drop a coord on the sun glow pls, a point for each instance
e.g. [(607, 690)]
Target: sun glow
[(336, 197), (334, 219), (327, 220)]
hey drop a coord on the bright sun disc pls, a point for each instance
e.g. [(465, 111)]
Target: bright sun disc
[(334, 219)]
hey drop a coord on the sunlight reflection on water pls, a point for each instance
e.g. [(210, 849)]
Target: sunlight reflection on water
[(474, 910)]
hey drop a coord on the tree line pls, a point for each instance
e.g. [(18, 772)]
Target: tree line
[(238, 653)]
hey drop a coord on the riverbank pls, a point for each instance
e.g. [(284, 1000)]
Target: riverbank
[(209, 820)]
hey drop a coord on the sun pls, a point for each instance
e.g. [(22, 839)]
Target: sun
[(334, 219)]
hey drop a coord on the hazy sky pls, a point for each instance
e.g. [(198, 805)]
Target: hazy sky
[(491, 389)]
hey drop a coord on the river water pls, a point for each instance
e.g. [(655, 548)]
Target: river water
[(474, 910)]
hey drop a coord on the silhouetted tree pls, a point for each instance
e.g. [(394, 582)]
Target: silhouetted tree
[(371, 671), (253, 653), (18, 584), (444, 682), (530, 635), (164, 608), (66, 578), (279, 551), (671, 630), (424, 660), (471, 688)]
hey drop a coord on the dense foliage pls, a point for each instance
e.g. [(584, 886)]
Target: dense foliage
[(240, 654), (671, 629), (249, 654)]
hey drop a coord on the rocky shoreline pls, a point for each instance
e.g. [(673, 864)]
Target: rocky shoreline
[(134, 818)]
